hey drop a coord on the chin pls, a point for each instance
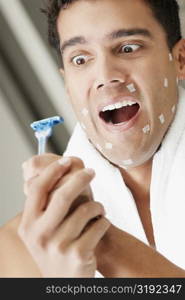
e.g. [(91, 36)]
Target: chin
[(134, 162)]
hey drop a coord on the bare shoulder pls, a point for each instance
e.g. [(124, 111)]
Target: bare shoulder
[(15, 260)]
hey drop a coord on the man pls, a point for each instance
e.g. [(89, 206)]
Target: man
[(120, 62)]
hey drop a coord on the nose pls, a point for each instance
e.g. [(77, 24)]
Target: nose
[(108, 73), (113, 82)]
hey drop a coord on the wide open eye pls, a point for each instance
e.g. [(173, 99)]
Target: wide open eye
[(130, 48), (79, 60)]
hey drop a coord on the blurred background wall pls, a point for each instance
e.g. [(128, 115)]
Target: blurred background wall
[(31, 88)]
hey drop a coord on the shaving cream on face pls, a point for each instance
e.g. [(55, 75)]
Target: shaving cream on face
[(131, 88), (170, 57), (162, 118), (108, 146), (85, 112), (166, 82), (173, 109), (83, 126), (146, 129), (127, 162)]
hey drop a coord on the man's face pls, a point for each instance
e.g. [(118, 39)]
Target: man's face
[(119, 76)]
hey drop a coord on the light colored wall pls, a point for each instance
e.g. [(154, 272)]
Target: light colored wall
[(13, 151), (182, 16)]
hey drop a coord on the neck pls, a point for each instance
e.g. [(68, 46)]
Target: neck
[(138, 178)]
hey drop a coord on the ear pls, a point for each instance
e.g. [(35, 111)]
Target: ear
[(179, 55), (62, 72)]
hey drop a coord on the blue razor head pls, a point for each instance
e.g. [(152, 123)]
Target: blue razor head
[(44, 124)]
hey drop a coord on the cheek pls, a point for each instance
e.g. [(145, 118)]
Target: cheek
[(77, 97), (161, 90), (159, 82), (78, 91)]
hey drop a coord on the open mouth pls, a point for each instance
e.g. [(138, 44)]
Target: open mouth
[(123, 113)]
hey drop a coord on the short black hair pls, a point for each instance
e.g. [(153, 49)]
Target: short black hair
[(166, 12)]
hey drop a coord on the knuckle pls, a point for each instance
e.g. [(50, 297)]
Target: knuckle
[(56, 247), (84, 208), (33, 162), (60, 195), (35, 188), (92, 207), (77, 162), (31, 236), (38, 162), (40, 239), (98, 207), (27, 173), (30, 168), (53, 247), (78, 177), (82, 176), (78, 254), (29, 182), (32, 187), (21, 231), (103, 223), (50, 157)]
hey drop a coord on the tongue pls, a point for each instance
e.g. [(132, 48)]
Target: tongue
[(124, 114)]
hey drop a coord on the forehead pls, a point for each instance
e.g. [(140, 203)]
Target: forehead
[(95, 19)]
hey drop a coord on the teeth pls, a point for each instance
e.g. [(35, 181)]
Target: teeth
[(118, 105)]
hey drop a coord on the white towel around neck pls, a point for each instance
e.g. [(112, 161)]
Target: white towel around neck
[(167, 191)]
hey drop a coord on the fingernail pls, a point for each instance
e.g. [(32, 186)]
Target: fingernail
[(90, 171), (64, 161)]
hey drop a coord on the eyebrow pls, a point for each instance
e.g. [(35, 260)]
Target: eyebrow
[(80, 40)]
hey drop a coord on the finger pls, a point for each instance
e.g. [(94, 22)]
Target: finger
[(91, 237), (63, 198), (35, 165), (75, 223), (77, 164), (41, 186), (27, 184)]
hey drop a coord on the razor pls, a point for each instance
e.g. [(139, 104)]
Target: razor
[(43, 130)]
